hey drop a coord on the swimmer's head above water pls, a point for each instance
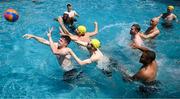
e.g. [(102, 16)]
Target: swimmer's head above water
[(147, 57), (154, 21), (94, 44), (64, 40), (69, 7), (170, 9), (81, 30), (135, 28)]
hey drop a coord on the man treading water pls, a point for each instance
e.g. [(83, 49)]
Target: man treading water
[(62, 52), (135, 35), (147, 73), (81, 33), (71, 14), (152, 31), (168, 17), (95, 56)]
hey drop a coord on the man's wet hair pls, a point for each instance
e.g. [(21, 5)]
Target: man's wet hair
[(67, 38), (137, 26), (150, 56), (68, 5)]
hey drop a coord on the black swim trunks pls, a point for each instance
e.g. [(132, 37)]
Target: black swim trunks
[(149, 87), (107, 73), (167, 25), (71, 75)]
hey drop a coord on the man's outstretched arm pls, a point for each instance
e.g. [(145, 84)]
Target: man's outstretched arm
[(79, 61), (60, 20), (65, 31), (146, 36), (129, 77), (39, 39)]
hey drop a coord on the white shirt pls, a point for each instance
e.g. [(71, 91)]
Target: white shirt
[(71, 14)]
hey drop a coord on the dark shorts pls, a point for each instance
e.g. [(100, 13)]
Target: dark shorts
[(107, 73), (71, 75), (165, 25), (149, 87)]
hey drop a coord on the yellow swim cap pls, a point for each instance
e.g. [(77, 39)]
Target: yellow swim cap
[(81, 29), (96, 43), (170, 8)]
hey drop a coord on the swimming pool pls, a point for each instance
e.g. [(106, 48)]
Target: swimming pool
[(30, 70)]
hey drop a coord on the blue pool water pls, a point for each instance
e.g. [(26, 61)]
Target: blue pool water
[(30, 70)]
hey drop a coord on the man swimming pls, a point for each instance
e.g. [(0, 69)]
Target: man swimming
[(147, 73), (69, 17), (95, 56), (71, 14), (168, 17), (135, 35), (152, 31), (82, 35), (61, 50)]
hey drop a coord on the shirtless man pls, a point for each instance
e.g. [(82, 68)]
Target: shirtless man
[(152, 31), (168, 17), (135, 34), (147, 73), (61, 50), (96, 55), (82, 35)]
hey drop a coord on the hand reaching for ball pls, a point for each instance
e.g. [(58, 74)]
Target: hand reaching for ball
[(28, 36)]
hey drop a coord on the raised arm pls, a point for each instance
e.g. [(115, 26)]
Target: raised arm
[(39, 39), (65, 31), (127, 76), (79, 61), (95, 30), (60, 20), (160, 16), (61, 32), (51, 43)]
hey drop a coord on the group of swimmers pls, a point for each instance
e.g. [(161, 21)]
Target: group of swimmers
[(147, 72)]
